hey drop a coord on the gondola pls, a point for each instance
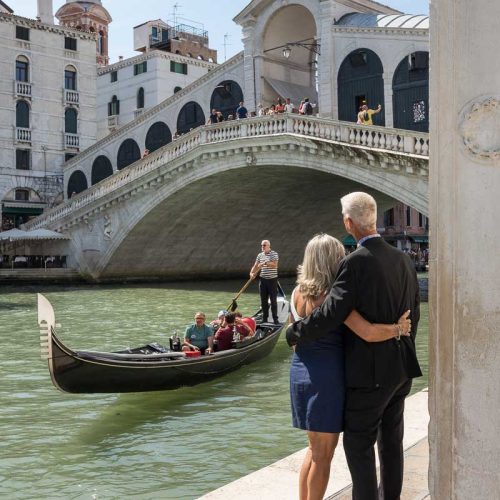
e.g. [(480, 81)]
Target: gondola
[(151, 367)]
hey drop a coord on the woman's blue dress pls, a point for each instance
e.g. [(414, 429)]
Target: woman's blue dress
[(317, 386)]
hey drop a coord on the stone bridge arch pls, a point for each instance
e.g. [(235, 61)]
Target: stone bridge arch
[(221, 200)]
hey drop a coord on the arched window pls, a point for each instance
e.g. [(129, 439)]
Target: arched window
[(114, 106), (71, 121), (177, 89), (158, 135), (128, 153), (410, 87), (77, 183), (70, 78), (360, 81), (226, 97), (101, 168), (100, 43), (22, 69), (140, 98), (22, 114), (190, 116)]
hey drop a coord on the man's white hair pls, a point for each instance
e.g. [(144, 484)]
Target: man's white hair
[(361, 208)]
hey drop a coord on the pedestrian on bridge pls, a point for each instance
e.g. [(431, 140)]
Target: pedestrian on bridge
[(365, 114)]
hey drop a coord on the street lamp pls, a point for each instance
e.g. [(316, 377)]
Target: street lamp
[(287, 51), (309, 43)]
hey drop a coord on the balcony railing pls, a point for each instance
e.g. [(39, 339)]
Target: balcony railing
[(71, 97), (71, 140), (22, 89), (138, 112), (113, 121), (23, 134)]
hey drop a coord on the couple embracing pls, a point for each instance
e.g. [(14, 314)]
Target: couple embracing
[(355, 319)]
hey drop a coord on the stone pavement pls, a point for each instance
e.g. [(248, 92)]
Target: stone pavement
[(279, 481)]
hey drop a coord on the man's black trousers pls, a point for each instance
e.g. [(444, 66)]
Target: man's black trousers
[(269, 291), (375, 415)]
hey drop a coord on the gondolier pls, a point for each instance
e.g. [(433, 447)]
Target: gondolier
[(266, 264)]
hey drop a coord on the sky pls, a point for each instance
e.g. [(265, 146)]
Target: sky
[(215, 15)]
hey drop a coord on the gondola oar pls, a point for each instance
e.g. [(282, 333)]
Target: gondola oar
[(233, 306)]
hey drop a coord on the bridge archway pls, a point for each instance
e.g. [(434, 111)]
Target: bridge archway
[(101, 169), (77, 183), (128, 153), (411, 93), (158, 135), (190, 116), (226, 97), (293, 76), (360, 80)]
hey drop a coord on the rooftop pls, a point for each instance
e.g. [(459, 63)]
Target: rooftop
[(365, 20)]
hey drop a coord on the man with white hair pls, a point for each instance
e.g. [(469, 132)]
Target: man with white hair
[(380, 282)]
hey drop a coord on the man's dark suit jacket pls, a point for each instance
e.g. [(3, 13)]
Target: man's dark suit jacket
[(380, 282)]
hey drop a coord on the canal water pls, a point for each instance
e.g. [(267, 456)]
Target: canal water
[(170, 445)]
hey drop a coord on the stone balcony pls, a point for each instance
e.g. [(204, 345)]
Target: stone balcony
[(71, 97), (22, 89), (22, 135), (71, 141)]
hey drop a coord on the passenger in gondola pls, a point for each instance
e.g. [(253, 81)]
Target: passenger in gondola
[(224, 335), (219, 322), (199, 337), (245, 326)]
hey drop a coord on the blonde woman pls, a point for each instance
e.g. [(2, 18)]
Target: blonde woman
[(317, 370)]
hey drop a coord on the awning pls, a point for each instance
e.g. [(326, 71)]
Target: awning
[(349, 241), (22, 211), (295, 92), (36, 234), (420, 239)]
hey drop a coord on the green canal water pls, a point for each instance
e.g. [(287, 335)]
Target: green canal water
[(172, 444)]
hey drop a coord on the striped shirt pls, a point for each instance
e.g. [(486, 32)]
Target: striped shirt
[(268, 272)]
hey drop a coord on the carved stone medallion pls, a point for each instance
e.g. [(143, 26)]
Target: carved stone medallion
[(480, 129)]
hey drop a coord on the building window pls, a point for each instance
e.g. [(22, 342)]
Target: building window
[(70, 121), (140, 68), (70, 78), (114, 76), (114, 106), (408, 216), (22, 33), (68, 156), (23, 159), (140, 98), (22, 195), (177, 89), (100, 43), (69, 43), (389, 218), (22, 114), (177, 67), (22, 69)]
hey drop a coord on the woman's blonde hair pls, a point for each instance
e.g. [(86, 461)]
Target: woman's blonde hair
[(317, 272)]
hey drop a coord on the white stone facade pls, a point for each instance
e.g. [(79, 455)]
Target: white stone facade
[(41, 86), (158, 82)]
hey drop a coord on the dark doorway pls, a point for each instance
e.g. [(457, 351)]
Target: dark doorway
[(77, 183), (190, 116), (226, 97), (101, 168), (360, 79), (411, 93), (128, 153), (158, 135)]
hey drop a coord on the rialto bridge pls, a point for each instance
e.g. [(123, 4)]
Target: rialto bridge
[(200, 205)]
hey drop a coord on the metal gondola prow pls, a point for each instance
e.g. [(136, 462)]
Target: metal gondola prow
[(47, 323)]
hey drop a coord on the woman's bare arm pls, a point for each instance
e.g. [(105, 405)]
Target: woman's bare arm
[(377, 332)]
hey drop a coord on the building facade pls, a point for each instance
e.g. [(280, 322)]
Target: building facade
[(171, 59), (47, 111)]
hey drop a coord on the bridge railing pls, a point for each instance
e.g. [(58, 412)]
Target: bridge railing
[(370, 137)]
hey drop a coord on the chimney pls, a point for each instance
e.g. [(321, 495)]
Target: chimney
[(45, 11)]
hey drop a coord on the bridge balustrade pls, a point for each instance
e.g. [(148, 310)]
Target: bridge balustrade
[(369, 137)]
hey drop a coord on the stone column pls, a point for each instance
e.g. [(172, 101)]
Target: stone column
[(464, 181), (327, 82), (250, 69)]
